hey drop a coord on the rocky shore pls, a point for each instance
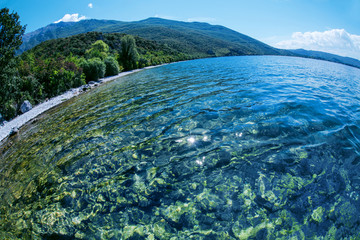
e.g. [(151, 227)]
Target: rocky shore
[(12, 127)]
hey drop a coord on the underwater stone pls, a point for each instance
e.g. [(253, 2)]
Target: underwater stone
[(174, 212), (130, 231), (151, 173), (100, 198), (80, 235), (250, 231), (151, 237), (21, 225), (159, 230), (317, 214), (345, 214)]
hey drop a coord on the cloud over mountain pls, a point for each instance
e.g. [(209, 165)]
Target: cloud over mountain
[(71, 18), (336, 41)]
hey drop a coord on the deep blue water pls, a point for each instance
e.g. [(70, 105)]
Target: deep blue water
[(258, 147)]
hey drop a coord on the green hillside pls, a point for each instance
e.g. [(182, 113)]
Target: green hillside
[(77, 45), (200, 39), (55, 66)]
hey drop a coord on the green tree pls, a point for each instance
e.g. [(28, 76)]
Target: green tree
[(10, 35), (128, 55), (112, 66), (8, 89), (93, 68), (99, 49)]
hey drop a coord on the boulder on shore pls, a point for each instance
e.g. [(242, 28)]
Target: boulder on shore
[(1, 120), (25, 106)]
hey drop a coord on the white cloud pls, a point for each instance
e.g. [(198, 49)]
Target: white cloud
[(336, 41), (90, 5), (71, 18)]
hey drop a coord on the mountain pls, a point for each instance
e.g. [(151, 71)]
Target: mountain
[(327, 57), (195, 38), (191, 38), (61, 30)]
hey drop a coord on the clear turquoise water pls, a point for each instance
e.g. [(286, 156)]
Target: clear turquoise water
[(224, 148)]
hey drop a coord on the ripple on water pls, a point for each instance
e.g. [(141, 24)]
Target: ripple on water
[(226, 148)]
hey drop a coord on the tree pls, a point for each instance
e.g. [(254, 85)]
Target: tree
[(128, 55), (10, 35), (99, 49), (10, 40), (112, 66)]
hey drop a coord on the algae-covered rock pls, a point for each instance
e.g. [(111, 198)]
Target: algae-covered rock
[(162, 229), (131, 231), (175, 211), (317, 214), (345, 213), (246, 233)]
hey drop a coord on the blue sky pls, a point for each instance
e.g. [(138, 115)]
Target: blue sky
[(327, 25)]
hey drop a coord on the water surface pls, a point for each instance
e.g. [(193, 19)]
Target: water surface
[(225, 148)]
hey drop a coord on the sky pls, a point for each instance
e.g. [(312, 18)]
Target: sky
[(324, 25)]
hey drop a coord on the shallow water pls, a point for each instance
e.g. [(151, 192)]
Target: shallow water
[(224, 148)]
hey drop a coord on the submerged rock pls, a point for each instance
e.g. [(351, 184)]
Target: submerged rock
[(25, 106)]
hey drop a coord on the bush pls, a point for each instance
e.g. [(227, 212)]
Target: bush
[(93, 68), (49, 77), (143, 62), (9, 111), (31, 86), (112, 66), (62, 80)]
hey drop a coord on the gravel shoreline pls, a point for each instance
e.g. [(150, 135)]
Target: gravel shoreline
[(22, 119)]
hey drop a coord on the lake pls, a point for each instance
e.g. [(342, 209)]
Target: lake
[(254, 147)]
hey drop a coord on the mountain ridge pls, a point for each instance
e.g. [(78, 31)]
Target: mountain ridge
[(196, 38), (203, 38)]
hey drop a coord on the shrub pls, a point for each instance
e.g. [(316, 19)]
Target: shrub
[(93, 68), (112, 66), (9, 111), (29, 85), (62, 80)]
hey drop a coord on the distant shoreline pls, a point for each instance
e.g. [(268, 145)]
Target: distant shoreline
[(22, 119)]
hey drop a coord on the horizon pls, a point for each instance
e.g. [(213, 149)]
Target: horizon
[(321, 25)]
